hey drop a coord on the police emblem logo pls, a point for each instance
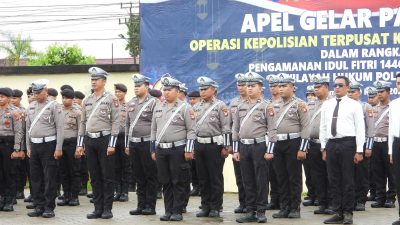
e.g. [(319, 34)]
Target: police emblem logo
[(315, 79), (250, 76), (370, 113), (165, 81), (7, 123), (271, 111), (201, 80)]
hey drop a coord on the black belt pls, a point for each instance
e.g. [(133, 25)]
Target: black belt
[(342, 139)]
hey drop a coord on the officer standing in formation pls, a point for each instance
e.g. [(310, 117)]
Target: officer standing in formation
[(318, 167), (273, 82), (342, 136), (69, 164), (11, 134), (213, 133), (394, 141), (242, 90), (254, 118), (291, 147), (99, 130), (44, 140), (381, 167), (361, 173), (372, 93), (172, 136), (123, 169), (137, 130)]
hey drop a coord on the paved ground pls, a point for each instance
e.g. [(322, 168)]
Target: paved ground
[(77, 215)]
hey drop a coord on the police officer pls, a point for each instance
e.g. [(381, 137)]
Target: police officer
[(172, 136), (251, 123), (381, 168), (194, 97), (10, 148), (31, 98), (52, 94), (69, 164), (310, 199), (122, 162), (342, 136), (273, 82), (44, 140), (21, 166), (394, 141), (99, 129), (361, 172), (317, 165), (137, 131), (78, 97), (211, 146), (242, 90), (290, 149)]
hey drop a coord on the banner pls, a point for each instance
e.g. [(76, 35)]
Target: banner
[(304, 38)]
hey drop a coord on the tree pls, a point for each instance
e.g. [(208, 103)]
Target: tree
[(16, 49), (133, 39), (57, 54)]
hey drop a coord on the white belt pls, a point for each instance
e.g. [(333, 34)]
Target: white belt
[(315, 140), (208, 140), (284, 137), (171, 144), (43, 139), (139, 139), (381, 139), (252, 141), (98, 134)]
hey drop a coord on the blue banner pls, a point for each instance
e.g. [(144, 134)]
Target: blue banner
[(219, 38)]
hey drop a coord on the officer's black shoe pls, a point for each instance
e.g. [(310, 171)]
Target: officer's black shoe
[(83, 192), (321, 210), (261, 218), (30, 206), (347, 218), (91, 200), (107, 214), (359, 207), (166, 216), (214, 213), (123, 197), (14, 201), (308, 202), (390, 204), (36, 212), (116, 196), (250, 217), (203, 213), (20, 195), (184, 210), (330, 211), (378, 205), (176, 217), (316, 202), (90, 195), (239, 209), (159, 195), (371, 197), (294, 214), (132, 188), (8, 208), (272, 206), (336, 219), (148, 211), (74, 202), (63, 202), (94, 215), (397, 222), (61, 197), (28, 199), (136, 212), (195, 192), (283, 213), (48, 213)]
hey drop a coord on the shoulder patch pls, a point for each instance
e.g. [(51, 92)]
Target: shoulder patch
[(271, 111), (225, 111), (192, 114), (303, 107), (115, 103)]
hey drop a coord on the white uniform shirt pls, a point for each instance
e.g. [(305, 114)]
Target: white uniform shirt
[(350, 121), (394, 122)]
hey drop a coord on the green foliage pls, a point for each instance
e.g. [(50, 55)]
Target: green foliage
[(16, 49), (57, 54), (133, 39)]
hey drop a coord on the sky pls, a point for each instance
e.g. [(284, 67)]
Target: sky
[(78, 22)]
